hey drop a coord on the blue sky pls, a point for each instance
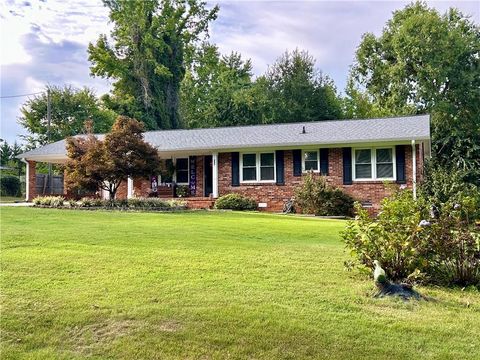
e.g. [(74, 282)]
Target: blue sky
[(45, 41)]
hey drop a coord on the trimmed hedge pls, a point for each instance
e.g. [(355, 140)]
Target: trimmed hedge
[(10, 185), (235, 202)]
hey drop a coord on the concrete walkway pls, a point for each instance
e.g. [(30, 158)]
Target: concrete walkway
[(17, 204)]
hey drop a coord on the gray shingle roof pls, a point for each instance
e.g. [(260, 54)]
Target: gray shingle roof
[(333, 132)]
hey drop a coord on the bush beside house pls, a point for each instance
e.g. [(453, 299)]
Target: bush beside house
[(418, 240), (316, 196), (235, 202)]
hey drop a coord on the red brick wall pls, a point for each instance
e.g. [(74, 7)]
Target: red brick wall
[(31, 181), (122, 191), (276, 195), (199, 188), (141, 187)]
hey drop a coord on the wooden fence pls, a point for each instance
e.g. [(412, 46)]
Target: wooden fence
[(42, 185)]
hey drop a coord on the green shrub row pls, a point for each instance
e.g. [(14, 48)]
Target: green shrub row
[(133, 203), (10, 185), (235, 202), (49, 201)]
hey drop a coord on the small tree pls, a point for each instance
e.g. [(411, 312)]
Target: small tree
[(103, 164)]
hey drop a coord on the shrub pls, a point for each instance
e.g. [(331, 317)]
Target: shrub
[(235, 202), (147, 203), (177, 204), (182, 191), (136, 203), (49, 201), (393, 237), (315, 196), (10, 185), (72, 203), (86, 202), (454, 240), (412, 242)]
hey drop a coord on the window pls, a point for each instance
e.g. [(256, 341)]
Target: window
[(249, 167), (374, 164), (267, 167), (384, 163), (363, 164), (310, 161), (257, 167), (182, 171)]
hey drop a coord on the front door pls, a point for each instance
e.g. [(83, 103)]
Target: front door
[(208, 177)]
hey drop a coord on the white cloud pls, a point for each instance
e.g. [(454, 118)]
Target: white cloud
[(45, 41)]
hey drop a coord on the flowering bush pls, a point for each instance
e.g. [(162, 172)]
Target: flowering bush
[(413, 240)]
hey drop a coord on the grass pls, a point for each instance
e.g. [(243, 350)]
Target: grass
[(115, 285), (11, 199)]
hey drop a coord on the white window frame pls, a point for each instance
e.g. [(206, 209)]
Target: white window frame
[(373, 161), (318, 161), (188, 171), (257, 167)]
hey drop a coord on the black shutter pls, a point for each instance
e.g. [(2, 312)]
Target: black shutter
[(279, 165), (347, 166), (297, 162), (400, 159), (235, 169), (324, 161)]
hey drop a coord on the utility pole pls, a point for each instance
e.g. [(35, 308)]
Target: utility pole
[(49, 119)]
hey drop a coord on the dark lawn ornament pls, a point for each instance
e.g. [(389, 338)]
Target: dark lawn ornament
[(288, 207), (434, 212), (386, 288)]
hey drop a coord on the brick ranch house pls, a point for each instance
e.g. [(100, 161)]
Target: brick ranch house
[(267, 162)]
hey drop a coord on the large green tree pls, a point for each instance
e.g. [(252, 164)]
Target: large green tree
[(219, 91), (146, 56), (8, 158), (425, 62), (298, 91), (70, 108)]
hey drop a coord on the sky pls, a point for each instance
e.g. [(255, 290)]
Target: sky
[(45, 41)]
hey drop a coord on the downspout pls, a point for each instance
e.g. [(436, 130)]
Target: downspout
[(27, 176), (129, 188), (414, 170)]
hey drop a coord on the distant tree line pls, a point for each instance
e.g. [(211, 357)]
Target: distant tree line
[(167, 75)]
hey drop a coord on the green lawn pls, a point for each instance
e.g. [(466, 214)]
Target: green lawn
[(115, 285), (11, 199)]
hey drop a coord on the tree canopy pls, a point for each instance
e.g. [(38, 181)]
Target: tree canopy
[(70, 108), (103, 164), (220, 91), (8, 154), (217, 90), (146, 56), (298, 91), (425, 62)]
